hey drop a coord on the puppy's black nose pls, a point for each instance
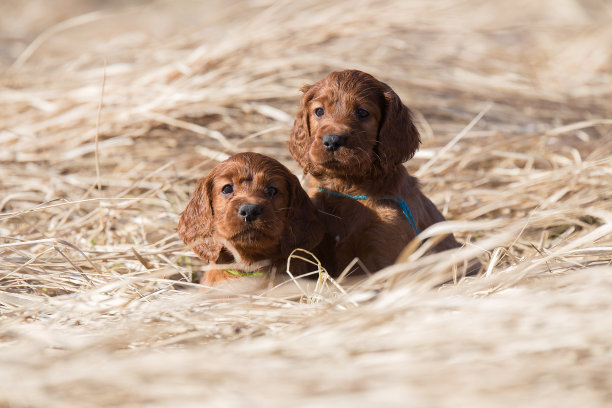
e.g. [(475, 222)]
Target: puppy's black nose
[(333, 142), (249, 212)]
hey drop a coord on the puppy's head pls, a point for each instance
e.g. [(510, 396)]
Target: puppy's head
[(349, 124), (253, 203)]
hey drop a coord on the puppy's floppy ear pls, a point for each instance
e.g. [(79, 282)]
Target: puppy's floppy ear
[(303, 228), (299, 140), (305, 88), (196, 225), (398, 138)]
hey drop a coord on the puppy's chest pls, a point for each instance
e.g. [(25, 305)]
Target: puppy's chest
[(346, 217)]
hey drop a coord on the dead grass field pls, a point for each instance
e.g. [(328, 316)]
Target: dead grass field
[(110, 111)]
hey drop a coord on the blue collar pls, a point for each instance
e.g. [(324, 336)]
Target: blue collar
[(402, 204)]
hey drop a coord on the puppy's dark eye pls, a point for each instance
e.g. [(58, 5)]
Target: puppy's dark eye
[(227, 189), (271, 191), (319, 112), (362, 113)]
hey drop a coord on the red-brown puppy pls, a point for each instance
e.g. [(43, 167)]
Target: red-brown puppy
[(352, 133), (248, 209)]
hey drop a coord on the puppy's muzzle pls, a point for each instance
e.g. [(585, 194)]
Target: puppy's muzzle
[(249, 212), (333, 142)]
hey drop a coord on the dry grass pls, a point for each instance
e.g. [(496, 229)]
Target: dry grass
[(513, 100)]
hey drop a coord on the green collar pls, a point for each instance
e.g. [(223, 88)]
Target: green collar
[(243, 274)]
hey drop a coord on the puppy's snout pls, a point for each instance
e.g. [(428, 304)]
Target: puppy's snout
[(333, 142), (249, 212)]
